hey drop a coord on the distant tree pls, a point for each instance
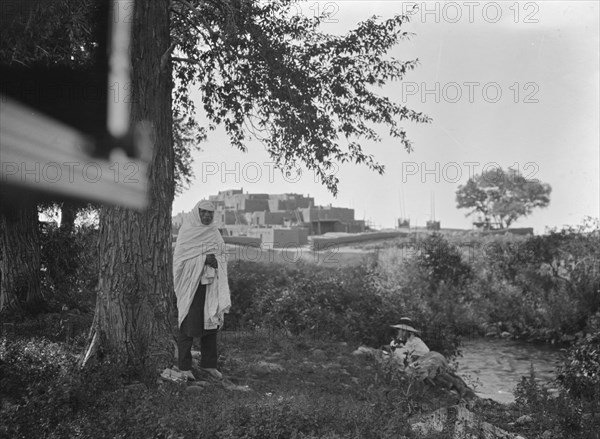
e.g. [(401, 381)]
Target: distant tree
[(502, 197)]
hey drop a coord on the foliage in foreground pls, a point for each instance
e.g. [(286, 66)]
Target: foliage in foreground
[(330, 395), (563, 415), (580, 374), (44, 394)]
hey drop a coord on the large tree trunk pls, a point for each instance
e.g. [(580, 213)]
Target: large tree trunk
[(20, 260), (135, 281)]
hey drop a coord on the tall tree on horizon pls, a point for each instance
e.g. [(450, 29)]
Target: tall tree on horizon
[(502, 197)]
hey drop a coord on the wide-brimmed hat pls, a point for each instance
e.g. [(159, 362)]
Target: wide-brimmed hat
[(406, 328), (406, 323)]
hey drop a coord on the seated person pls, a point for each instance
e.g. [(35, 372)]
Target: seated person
[(415, 359), (407, 347)]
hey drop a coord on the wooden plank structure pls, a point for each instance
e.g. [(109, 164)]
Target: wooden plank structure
[(65, 134)]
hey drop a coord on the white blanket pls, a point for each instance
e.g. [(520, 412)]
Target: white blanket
[(194, 242)]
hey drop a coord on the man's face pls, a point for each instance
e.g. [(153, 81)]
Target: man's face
[(206, 216), (402, 334)]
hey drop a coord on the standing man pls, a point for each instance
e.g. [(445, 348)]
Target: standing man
[(201, 287)]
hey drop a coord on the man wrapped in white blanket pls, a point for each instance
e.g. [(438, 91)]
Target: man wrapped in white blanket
[(201, 287)]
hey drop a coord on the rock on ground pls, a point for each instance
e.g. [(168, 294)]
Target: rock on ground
[(264, 367)]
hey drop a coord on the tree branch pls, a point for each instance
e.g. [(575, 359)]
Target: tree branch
[(164, 59), (214, 35), (183, 17), (185, 60)]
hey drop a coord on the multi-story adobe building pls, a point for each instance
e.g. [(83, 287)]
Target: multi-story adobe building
[(280, 219)]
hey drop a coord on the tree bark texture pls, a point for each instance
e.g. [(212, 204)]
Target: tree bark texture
[(135, 280), (20, 259)]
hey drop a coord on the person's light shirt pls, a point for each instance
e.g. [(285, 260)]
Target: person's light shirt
[(412, 349)]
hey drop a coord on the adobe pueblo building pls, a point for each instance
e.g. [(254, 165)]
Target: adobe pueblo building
[(276, 220)]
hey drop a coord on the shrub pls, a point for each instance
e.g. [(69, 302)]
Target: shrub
[(441, 261), (562, 415), (250, 281), (69, 263), (43, 388), (28, 364), (336, 303), (36, 382), (580, 373), (556, 275), (341, 303)]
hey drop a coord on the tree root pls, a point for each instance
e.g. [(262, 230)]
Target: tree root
[(91, 350)]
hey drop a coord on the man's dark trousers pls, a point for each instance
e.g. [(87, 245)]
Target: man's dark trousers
[(193, 326)]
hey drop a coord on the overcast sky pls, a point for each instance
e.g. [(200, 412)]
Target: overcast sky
[(506, 83)]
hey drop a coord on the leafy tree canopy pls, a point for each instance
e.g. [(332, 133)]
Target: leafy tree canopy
[(48, 33), (187, 136), (266, 72), (501, 197)]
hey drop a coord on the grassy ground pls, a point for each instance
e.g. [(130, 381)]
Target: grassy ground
[(276, 386)]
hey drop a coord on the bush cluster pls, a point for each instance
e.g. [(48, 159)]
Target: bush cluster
[(331, 303), (580, 373), (69, 263), (563, 415), (537, 288), (343, 303), (540, 288), (42, 386), (45, 394)]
